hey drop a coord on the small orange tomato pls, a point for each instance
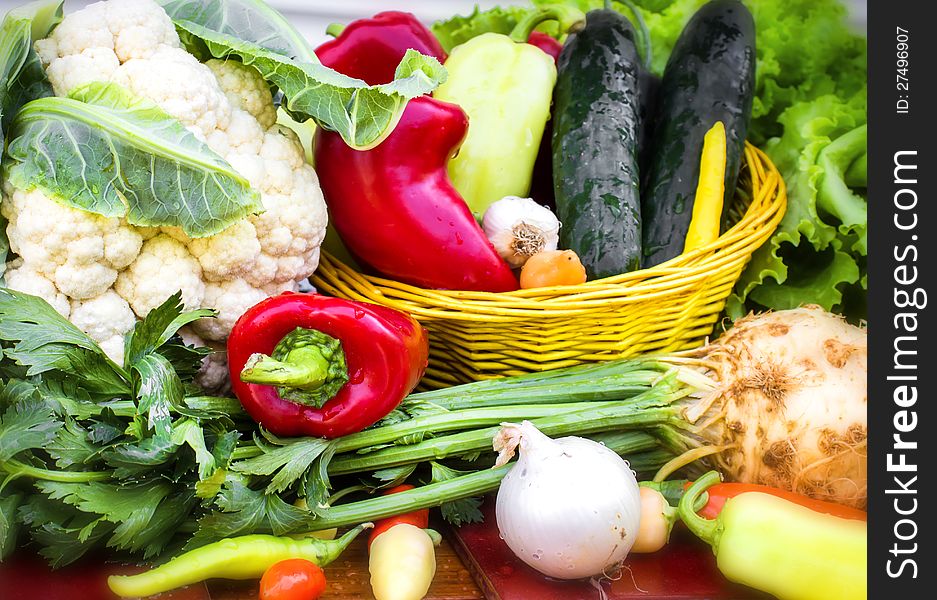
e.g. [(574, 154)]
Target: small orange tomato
[(292, 579), (552, 267)]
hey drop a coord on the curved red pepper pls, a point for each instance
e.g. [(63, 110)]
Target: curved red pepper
[(721, 492), (370, 49), (386, 353), (396, 210)]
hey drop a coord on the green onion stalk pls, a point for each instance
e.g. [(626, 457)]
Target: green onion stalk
[(636, 407)]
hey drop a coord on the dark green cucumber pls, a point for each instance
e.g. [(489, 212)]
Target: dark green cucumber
[(596, 129), (648, 86), (709, 77)]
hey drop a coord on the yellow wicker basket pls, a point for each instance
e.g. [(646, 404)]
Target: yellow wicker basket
[(670, 307)]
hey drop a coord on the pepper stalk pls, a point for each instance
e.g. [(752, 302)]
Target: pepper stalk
[(307, 366)]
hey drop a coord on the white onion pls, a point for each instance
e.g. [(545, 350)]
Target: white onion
[(570, 507)]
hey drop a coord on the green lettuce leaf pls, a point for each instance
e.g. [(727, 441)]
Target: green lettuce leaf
[(251, 20), (461, 28), (104, 150), (363, 115), (805, 50), (818, 250)]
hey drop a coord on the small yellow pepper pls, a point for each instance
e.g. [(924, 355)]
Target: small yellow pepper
[(402, 562), (657, 518), (707, 207)]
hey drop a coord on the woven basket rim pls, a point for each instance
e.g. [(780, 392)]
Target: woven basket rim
[(764, 212)]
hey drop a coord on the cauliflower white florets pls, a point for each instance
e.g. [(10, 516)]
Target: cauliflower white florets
[(103, 273), (213, 375), (106, 319)]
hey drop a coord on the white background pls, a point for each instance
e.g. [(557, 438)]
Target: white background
[(312, 16)]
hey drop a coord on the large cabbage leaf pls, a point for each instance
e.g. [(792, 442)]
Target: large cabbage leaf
[(251, 20), (21, 75), (104, 150), (363, 115)]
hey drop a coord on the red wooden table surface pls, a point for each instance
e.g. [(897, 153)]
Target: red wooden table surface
[(685, 570), (26, 577)]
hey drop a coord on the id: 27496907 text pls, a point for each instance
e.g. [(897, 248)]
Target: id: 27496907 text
[(902, 63)]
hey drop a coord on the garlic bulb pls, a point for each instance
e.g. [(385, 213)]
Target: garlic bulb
[(569, 507), (519, 228)]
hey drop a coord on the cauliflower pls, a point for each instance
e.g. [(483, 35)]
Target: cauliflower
[(103, 273), (213, 376)]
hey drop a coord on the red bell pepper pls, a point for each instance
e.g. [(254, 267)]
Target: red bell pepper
[(721, 492), (397, 211), (370, 49), (305, 364), (417, 518)]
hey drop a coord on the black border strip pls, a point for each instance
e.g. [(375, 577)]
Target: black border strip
[(902, 258)]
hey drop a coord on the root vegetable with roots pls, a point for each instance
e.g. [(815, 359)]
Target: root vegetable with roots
[(787, 404)]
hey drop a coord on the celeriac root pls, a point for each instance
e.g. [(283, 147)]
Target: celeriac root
[(786, 402)]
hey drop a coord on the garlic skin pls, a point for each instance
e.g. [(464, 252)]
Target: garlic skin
[(519, 228), (570, 507)]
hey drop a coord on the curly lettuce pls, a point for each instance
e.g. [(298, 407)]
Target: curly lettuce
[(461, 28), (818, 253)]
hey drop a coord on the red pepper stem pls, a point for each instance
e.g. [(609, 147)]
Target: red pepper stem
[(304, 369), (307, 366), (335, 29), (705, 529), (569, 19)]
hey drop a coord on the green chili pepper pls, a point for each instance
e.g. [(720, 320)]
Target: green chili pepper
[(780, 547), (505, 86), (245, 557)]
